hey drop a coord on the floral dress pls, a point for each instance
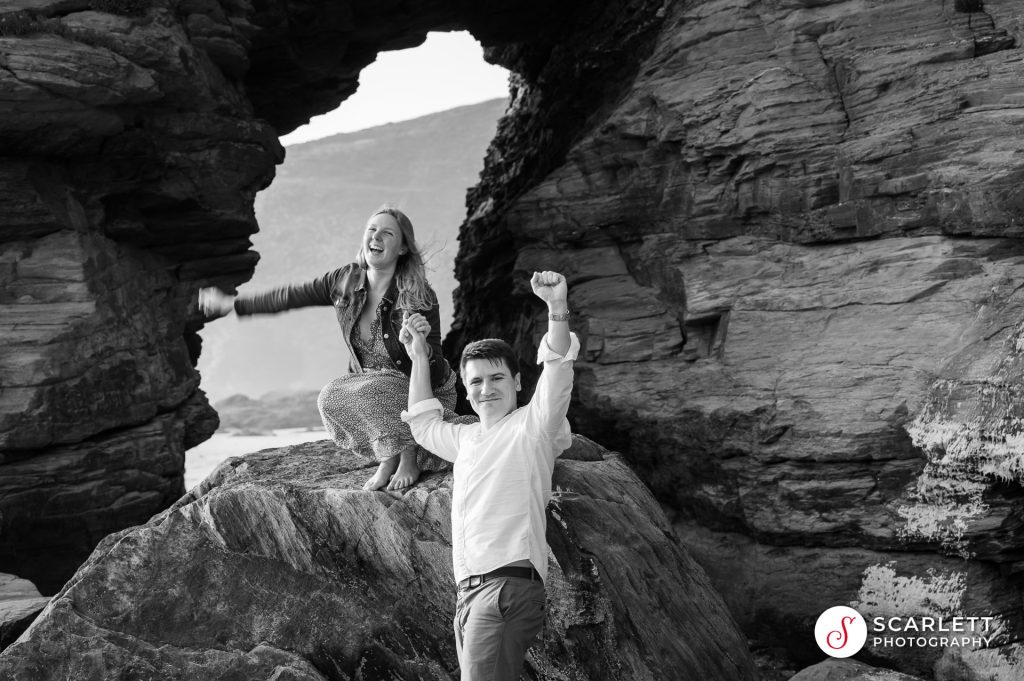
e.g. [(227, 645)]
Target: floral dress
[(362, 412)]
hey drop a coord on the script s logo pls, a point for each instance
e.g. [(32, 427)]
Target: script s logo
[(836, 639), (840, 631)]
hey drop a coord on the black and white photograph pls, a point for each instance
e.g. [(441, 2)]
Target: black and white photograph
[(622, 340)]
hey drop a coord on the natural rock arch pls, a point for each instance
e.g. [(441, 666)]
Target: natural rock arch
[(737, 190), (135, 136)]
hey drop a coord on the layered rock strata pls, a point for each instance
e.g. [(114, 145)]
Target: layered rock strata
[(128, 156), (280, 566), (794, 253), (134, 136)]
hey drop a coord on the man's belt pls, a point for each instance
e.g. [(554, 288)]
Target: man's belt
[(474, 581)]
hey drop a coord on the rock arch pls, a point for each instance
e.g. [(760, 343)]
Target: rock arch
[(837, 183)]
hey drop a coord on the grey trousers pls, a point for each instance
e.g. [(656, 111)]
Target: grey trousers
[(495, 623)]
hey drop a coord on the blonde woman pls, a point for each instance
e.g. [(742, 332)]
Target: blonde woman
[(371, 297)]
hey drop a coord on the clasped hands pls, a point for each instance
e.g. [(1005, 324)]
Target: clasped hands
[(413, 335)]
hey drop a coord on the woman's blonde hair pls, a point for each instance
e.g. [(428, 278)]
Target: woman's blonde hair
[(414, 293)]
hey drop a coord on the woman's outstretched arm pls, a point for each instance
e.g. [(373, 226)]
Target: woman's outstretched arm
[(215, 303)]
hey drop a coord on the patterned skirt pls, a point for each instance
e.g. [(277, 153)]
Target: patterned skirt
[(362, 413)]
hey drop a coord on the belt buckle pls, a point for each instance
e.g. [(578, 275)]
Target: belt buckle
[(475, 581)]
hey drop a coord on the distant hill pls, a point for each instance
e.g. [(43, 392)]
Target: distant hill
[(311, 219), (273, 410)]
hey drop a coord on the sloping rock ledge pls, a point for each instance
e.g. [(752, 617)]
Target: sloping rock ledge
[(279, 567)]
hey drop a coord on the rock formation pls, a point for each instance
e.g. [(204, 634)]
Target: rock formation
[(20, 603), (280, 567), (849, 670), (793, 243), (134, 135), (791, 229)]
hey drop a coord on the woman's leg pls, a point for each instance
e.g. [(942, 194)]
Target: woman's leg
[(361, 413)]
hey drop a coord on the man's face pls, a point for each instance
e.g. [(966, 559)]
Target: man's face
[(491, 388)]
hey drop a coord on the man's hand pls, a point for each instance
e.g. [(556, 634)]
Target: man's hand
[(413, 335), (215, 303), (549, 287)]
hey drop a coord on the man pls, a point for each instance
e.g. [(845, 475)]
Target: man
[(502, 485)]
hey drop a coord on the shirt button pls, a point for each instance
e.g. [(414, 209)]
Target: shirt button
[(398, 361), (385, 335)]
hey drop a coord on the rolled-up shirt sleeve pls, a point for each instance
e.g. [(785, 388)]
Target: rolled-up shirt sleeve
[(430, 431), (547, 410)]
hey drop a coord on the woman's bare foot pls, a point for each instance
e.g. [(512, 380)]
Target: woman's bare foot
[(384, 472), (408, 472)]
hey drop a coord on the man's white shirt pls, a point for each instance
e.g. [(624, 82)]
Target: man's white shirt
[(502, 481)]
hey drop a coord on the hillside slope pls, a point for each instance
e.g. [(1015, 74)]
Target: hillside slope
[(311, 219)]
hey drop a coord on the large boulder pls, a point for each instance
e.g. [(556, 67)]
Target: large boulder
[(849, 670), (279, 566)]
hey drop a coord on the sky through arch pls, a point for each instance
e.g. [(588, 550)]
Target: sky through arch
[(446, 71)]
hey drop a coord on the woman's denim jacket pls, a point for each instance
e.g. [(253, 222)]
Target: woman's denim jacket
[(345, 289)]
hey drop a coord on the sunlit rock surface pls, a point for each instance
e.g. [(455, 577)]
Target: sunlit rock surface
[(280, 566)]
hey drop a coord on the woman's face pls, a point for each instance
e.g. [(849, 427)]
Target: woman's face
[(382, 242)]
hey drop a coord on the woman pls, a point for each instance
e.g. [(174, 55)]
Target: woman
[(371, 297)]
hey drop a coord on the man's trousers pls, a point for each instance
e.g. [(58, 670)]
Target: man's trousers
[(495, 623)]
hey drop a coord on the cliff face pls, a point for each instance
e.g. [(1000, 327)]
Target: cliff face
[(279, 566), (130, 159), (793, 245)]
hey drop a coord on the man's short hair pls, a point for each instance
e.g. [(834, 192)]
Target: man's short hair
[(493, 349)]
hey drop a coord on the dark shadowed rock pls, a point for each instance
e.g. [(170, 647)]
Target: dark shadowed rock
[(20, 602), (279, 566)]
